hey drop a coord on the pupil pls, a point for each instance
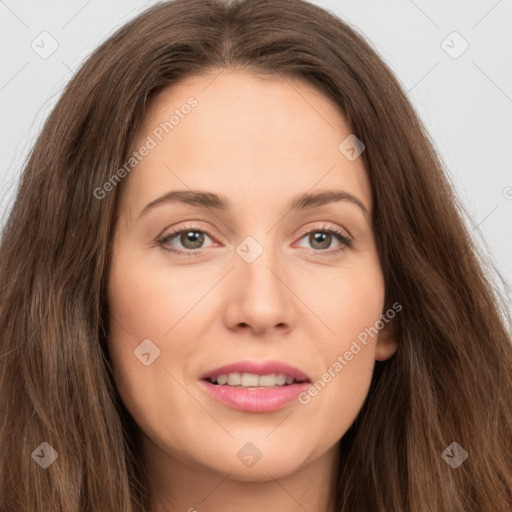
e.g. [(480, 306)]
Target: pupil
[(321, 237), (192, 237)]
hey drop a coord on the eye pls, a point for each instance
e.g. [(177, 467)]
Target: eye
[(321, 239), (192, 238)]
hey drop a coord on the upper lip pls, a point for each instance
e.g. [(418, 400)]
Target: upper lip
[(258, 368)]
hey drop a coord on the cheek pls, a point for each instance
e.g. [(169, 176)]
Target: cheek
[(144, 301), (143, 306), (352, 302), (137, 313), (351, 308)]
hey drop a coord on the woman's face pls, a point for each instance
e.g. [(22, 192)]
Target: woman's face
[(261, 284)]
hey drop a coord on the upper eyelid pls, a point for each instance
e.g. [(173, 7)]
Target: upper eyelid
[(324, 227)]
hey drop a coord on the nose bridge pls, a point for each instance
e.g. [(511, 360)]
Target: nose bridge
[(259, 255), (261, 297)]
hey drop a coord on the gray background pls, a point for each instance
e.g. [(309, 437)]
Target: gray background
[(464, 99)]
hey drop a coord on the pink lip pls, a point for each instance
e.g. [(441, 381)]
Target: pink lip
[(256, 399)]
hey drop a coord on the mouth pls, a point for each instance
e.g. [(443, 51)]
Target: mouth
[(253, 386), (253, 380)]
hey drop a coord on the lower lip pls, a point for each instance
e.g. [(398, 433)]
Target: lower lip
[(255, 399)]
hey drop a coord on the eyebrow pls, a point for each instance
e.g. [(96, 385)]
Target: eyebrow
[(219, 202)]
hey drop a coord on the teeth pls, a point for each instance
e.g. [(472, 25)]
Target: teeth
[(235, 379), (222, 379), (249, 379), (253, 380), (266, 380), (280, 379)]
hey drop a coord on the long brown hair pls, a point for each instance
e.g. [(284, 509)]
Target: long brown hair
[(451, 379)]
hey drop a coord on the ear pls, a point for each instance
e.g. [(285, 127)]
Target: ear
[(387, 342)]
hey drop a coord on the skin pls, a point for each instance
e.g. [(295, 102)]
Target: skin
[(259, 141)]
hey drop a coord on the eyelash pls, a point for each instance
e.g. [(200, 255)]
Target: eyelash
[(346, 242)]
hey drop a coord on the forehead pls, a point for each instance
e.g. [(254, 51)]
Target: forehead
[(247, 137)]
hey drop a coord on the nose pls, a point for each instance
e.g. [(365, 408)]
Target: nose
[(260, 298)]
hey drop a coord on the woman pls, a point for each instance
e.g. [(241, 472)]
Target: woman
[(173, 337)]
